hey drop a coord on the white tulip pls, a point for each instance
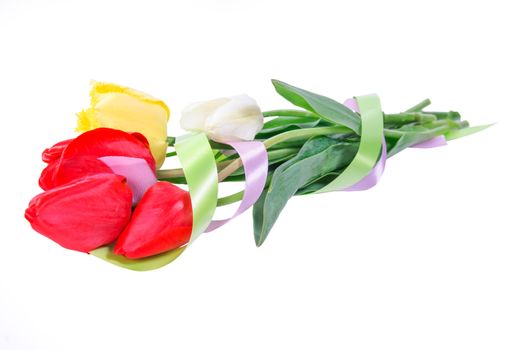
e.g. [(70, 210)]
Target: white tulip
[(236, 118)]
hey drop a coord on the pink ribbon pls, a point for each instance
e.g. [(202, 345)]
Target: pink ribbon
[(137, 172), (256, 165), (435, 142)]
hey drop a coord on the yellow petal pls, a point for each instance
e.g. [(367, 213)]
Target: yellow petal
[(126, 109)]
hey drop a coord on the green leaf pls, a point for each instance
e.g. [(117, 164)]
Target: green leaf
[(318, 157), (325, 107), (456, 134), (319, 183), (282, 123)]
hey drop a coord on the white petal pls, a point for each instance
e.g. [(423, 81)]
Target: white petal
[(194, 115), (239, 119)]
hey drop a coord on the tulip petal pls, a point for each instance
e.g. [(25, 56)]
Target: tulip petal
[(46, 180), (162, 221), (55, 152), (84, 214), (141, 138), (194, 115), (233, 118), (103, 142), (70, 169)]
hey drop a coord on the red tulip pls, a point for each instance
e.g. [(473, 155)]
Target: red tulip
[(55, 152), (84, 214), (78, 157), (162, 221)]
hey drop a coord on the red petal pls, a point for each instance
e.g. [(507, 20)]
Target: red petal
[(61, 173), (46, 180), (102, 142), (162, 221), (55, 152), (141, 138), (84, 214)]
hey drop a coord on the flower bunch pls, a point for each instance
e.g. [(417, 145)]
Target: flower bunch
[(106, 193), (88, 203)]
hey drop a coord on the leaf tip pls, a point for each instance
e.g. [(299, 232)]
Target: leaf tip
[(258, 240), (276, 82)]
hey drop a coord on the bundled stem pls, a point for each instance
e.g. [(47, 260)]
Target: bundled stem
[(397, 126)]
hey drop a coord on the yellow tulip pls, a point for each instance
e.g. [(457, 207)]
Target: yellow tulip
[(119, 107)]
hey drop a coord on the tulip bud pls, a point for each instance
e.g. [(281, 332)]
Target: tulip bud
[(225, 119), (84, 214), (122, 108), (162, 221)]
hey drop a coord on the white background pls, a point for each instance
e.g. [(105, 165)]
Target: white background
[(431, 258)]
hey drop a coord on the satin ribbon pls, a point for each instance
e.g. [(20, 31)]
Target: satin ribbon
[(197, 160), (435, 142), (255, 164), (137, 172)]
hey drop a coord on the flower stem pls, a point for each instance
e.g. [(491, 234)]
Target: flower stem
[(411, 117), (305, 133), (419, 107), (235, 197)]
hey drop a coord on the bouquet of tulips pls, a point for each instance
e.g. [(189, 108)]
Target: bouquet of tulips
[(106, 193)]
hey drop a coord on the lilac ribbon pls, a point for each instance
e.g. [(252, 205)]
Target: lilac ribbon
[(435, 142), (255, 164), (137, 172), (372, 178)]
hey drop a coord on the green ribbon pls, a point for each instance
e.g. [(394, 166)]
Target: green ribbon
[(370, 145), (197, 160), (199, 167), (145, 264)]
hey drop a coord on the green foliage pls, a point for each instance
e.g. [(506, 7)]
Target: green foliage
[(318, 157), (324, 107), (285, 123)]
